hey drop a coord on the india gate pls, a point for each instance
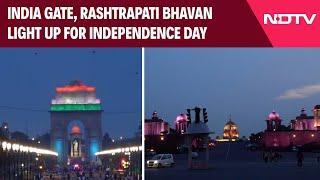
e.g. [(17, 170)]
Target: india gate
[(76, 132)]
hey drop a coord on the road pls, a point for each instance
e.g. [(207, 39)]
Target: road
[(240, 164)]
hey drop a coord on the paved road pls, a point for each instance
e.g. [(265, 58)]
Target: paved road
[(240, 164)]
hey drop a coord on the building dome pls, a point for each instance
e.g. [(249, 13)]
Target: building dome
[(317, 106), (230, 130), (273, 116), (181, 118), (75, 130)]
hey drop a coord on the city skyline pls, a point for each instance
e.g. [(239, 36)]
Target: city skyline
[(247, 84), (29, 78)]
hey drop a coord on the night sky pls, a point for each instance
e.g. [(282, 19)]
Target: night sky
[(28, 79), (246, 83)]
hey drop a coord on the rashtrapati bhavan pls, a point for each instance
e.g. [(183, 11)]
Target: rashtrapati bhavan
[(303, 130)]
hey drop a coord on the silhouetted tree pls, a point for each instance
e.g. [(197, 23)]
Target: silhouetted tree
[(44, 140), (19, 137), (256, 138), (106, 140)]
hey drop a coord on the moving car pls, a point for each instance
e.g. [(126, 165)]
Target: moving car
[(194, 155), (161, 160), (252, 147), (150, 152)]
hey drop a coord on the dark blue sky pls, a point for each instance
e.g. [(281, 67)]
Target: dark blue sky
[(28, 79), (246, 83)]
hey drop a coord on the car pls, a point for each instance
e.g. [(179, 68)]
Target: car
[(295, 148), (161, 160), (194, 155), (252, 147), (150, 152)]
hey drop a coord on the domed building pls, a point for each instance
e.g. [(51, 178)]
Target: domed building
[(305, 122), (304, 129), (273, 121), (230, 130), (156, 125), (181, 123)]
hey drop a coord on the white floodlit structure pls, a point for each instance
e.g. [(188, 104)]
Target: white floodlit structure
[(120, 150), (7, 146)]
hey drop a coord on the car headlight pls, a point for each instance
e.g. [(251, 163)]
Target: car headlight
[(147, 162), (156, 162)]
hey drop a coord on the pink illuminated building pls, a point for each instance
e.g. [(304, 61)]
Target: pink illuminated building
[(181, 123), (305, 122), (156, 126), (273, 121), (303, 130)]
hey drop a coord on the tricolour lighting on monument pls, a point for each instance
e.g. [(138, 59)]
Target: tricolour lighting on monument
[(76, 97), (7, 146), (120, 150)]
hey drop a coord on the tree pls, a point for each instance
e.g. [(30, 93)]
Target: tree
[(19, 137), (44, 140), (106, 140)]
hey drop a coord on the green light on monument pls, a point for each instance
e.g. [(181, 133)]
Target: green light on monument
[(75, 107)]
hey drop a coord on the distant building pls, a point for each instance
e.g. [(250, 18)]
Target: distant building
[(230, 130), (76, 132), (155, 125), (305, 122), (159, 137), (302, 130)]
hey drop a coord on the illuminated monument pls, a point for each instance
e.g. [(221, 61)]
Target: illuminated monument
[(230, 130), (76, 123)]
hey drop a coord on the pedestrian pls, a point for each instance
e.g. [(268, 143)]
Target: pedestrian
[(273, 156), (265, 156), (106, 176), (299, 158), (277, 156), (82, 176)]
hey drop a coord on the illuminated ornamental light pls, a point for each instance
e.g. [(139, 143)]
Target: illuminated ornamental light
[(76, 97), (120, 150), (7, 146)]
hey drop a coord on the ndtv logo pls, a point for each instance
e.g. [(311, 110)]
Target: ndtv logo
[(288, 18)]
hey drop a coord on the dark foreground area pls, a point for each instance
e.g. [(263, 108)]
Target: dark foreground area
[(233, 161)]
